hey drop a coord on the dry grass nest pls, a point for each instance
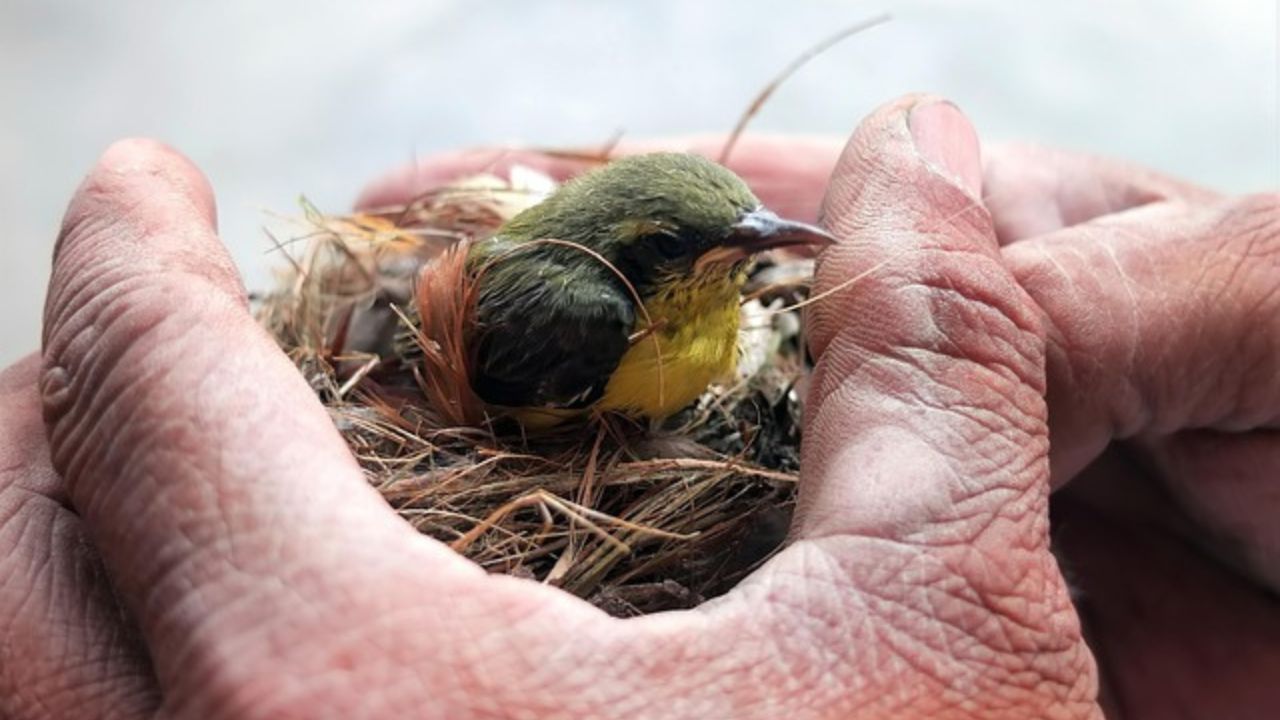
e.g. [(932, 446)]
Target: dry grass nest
[(633, 518)]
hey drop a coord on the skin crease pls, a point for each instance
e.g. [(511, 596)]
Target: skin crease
[(918, 582)]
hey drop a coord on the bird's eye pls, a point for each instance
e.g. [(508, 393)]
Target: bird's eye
[(669, 245)]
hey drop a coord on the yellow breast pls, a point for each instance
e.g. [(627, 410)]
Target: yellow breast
[(694, 344)]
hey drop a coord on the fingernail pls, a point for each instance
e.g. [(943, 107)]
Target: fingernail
[(946, 140)]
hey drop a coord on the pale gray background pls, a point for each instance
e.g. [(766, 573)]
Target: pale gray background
[(273, 99)]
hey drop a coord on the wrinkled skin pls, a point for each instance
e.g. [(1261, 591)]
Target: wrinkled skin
[(195, 541)]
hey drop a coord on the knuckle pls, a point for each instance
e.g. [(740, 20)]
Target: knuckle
[(1265, 204), (1244, 307), (955, 307), (1254, 220)]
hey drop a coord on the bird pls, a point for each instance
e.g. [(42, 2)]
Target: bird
[(619, 292)]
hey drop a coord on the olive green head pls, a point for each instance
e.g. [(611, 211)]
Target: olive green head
[(655, 217)]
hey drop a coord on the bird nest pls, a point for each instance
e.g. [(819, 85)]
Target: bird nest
[(632, 517)]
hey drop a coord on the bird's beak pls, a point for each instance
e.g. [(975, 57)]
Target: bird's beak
[(761, 230)]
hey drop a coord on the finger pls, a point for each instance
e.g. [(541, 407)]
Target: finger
[(1227, 483), (1034, 190), (204, 467), (1177, 634), (1160, 319), (68, 651), (789, 174), (924, 482), (936, 320)]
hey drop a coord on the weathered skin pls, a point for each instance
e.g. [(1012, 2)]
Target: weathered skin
[(262, 577)]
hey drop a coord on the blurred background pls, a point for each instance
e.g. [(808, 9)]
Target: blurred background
[(275, 99)]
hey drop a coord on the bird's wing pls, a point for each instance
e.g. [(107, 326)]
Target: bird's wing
[(548, 336)]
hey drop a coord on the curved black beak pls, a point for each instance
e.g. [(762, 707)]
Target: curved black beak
[(760, 230)]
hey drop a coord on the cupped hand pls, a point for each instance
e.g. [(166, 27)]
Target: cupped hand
[(1158, 299), (1159, 305), (267, 579)]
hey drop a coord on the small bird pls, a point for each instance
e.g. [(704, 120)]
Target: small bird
[(620, 291)]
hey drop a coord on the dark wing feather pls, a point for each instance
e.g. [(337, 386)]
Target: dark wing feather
[(547, 335)]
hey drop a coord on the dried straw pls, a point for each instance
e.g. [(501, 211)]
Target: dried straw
[(631, 518)]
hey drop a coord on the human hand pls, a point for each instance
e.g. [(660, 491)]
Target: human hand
[(1159, 306), (66, 650), (304, 594)]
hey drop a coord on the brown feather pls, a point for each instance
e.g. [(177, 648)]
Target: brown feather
[(444, 297)]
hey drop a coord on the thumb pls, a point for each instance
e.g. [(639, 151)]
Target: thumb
[(925, 456), (926, 405), (925, 467)]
